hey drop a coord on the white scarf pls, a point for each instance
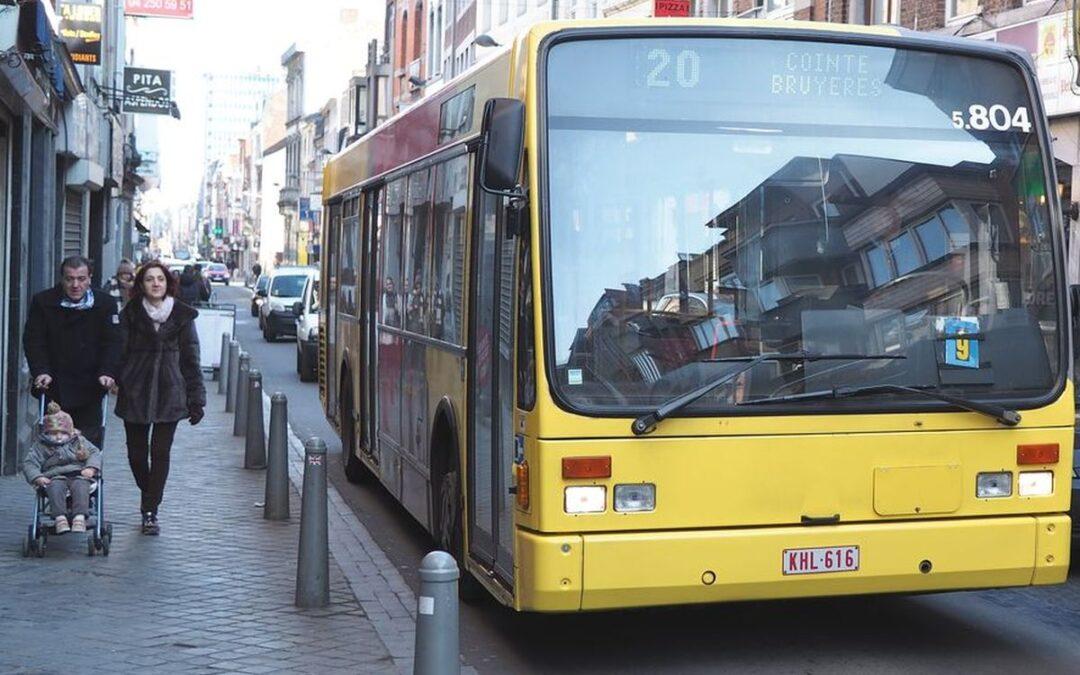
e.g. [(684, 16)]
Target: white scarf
[(158, 315)]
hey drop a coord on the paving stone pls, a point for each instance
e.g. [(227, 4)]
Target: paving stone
[(212, 594)]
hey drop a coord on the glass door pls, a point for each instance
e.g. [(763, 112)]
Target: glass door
[(492, 384)]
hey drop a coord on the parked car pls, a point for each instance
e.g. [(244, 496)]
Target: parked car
[(307, 331), (217, 272), (258, 294), (286, 288)]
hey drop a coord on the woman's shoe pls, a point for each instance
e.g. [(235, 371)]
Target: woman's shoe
[(150, 524)]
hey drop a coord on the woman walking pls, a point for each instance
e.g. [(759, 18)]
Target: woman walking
[(160, 380)]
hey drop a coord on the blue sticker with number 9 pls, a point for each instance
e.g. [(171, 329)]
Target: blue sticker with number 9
[(960, 350)]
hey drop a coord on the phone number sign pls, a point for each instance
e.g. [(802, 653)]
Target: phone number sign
[(169, 9)]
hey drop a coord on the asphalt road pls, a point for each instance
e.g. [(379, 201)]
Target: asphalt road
[(1033, 630)]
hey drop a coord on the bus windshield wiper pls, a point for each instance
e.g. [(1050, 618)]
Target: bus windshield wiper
[(646, 423), (1009, 418)]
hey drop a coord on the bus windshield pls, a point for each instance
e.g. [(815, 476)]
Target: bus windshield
[(713, 199)]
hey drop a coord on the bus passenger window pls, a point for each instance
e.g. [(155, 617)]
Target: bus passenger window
[(390, 256), (347, 259), (448, 243), (417, 218)]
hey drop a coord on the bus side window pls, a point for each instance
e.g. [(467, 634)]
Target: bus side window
[(390, 256), (448, 243), (347, 258), (417, 225)]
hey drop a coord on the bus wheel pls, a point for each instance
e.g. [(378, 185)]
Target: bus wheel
[(450, 532), (355, 471)]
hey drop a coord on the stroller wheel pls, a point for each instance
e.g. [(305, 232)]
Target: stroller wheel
[(39, 548), (26, 546), (90, 548), (105, 543)]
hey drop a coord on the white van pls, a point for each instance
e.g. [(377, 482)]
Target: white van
[(286, 288), (307, 331)]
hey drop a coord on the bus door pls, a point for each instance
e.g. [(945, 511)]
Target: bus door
[(372, 216), (492, 376)]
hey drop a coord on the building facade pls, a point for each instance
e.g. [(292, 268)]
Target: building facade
[(69, 181)]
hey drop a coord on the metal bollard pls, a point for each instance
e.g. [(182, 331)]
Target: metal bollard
[(234, 376), (223, 365), (275, 500), (313, 557), (437, 640), (255, 447), (242, 388)]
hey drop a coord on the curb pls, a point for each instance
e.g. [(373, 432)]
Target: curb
[(380, 589)]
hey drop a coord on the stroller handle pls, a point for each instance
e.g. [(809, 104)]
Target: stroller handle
[(42, 401)]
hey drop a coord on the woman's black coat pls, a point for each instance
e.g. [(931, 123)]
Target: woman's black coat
[(160, 378)]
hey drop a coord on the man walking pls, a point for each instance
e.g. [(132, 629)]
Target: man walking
[(72, 344)]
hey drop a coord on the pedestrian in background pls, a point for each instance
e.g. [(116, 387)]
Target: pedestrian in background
[(72, 345), (120, 285), (203, 284), (160, 381), (189, 289)]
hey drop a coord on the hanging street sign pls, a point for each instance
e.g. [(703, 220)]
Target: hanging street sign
[(162, 9), (80, 29), (147, 91)]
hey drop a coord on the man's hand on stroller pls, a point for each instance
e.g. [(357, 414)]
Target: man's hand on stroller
[(42, 381), (41, 481), (106, 382), (88, 473)]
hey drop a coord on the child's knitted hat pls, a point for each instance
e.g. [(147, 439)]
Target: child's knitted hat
[(57, 421)]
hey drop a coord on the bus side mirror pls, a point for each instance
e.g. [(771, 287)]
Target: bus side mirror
[(504, 144)]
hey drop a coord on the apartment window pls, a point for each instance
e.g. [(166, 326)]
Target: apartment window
[(418, 31), (880, 270), (779, 6), (388, 39), (958, 8), (402, 54)]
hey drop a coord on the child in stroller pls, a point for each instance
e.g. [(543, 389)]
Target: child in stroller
[(62, 462)]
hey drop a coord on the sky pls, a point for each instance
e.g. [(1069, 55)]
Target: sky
[(226, 36)]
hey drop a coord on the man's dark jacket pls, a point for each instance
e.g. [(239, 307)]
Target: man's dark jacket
[(74, 347), (160, 380)]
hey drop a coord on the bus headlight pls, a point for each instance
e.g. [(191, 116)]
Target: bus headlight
[(586, 499), (997, 484), (1035, 483), (635, 498)]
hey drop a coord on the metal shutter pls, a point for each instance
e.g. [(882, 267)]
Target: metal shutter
[(73, 223)]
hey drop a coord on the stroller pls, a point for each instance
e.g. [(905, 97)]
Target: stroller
[(98, 530)]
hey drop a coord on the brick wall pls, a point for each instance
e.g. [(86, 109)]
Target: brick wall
[(922, 14)]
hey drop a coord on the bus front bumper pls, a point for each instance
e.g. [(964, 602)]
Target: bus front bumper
[(558, 573)]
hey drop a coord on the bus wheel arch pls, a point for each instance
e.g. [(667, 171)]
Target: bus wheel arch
[(448, 496), (355, 470)]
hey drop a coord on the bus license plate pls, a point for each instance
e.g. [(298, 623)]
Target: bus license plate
[(821, 560)]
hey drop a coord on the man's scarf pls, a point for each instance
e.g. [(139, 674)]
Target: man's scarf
[(86, 303)]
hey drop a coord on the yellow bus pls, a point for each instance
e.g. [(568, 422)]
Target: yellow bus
[(682, 311)]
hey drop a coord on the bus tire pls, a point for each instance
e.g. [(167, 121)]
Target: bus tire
[(355, 470), (449, 531)]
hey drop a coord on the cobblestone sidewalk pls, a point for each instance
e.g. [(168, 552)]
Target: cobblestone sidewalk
[(213, 593)]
